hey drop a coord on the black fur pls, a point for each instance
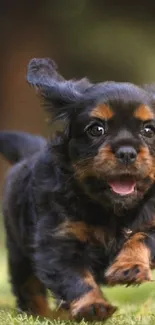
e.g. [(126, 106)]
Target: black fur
[(16, 146), (43, 191)]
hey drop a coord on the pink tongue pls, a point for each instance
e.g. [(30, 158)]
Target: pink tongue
[(123, 187)]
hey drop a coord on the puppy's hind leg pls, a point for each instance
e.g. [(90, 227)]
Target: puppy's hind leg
[(29, 291)]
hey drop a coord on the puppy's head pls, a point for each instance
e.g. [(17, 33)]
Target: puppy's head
[(111, 133)]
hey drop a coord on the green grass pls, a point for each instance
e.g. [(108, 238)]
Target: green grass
[(136, 305)]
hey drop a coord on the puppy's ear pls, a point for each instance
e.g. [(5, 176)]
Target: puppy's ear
[(150, 88), (59, 95)]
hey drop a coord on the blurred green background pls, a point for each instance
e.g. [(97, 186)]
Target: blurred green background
[(103, 40)]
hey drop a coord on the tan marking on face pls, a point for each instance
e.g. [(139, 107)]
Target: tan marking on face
[(144, 156), (95, 166), (83, 168), (145, 159), (152, 170), (143, 113), (104, 159), (102, 111)]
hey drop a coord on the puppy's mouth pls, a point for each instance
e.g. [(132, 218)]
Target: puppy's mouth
[(124, 185)]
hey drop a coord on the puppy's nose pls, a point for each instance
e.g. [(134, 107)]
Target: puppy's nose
[(126, 155)]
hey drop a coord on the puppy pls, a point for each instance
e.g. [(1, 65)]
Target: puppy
[(79, 210)]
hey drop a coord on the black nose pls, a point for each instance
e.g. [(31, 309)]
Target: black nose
[(126, 154)]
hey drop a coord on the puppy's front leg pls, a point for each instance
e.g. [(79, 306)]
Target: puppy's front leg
[(61, 266), (132, 264), (90, 304)]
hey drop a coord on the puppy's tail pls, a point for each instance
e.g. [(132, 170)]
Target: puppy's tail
[(15, 146)]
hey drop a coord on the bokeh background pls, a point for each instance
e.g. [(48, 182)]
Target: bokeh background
[(100, 39)]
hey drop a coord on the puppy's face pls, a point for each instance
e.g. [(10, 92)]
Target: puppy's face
[(112, 146), (111, 137)]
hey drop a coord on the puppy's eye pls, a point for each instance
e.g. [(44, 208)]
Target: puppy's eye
[(149, 131), (96, 130)]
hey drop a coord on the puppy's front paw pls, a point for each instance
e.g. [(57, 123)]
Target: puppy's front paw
[(91, 309), (130, 273), (95, 312)]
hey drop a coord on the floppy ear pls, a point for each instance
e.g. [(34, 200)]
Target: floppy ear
[(59, 95), (150, 88)]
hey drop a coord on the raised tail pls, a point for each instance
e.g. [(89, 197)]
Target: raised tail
[(15, 146)]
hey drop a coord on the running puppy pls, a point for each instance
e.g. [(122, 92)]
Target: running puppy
[(80, 210)]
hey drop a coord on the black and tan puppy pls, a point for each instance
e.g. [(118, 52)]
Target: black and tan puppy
[(80, 210)]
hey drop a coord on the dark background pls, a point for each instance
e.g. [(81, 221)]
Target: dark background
[(103, 40)]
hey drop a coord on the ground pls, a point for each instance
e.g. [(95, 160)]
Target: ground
[(136, 304)]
